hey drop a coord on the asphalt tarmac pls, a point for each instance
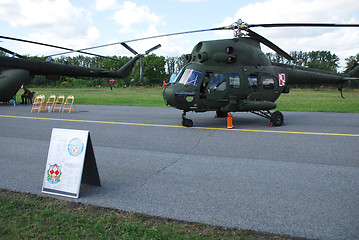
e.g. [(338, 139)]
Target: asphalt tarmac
[(300, 179)]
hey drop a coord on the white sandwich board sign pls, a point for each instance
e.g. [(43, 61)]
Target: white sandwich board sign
[(70, 162)]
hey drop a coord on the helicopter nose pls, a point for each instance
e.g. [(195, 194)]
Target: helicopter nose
[(177, 97), (168, 95)]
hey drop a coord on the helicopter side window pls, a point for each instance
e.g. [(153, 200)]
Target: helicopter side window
[(253, 82), (218, 82), (234, 80), (268, 83), (191, 77)]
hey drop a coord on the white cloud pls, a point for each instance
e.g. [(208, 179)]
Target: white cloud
[(45, 15), (86, 40), (55, 22), (191, 1), (130, 13), (101, 5)]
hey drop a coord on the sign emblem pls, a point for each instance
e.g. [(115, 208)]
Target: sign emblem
[(54, 174), (281, 77), (75, 147)]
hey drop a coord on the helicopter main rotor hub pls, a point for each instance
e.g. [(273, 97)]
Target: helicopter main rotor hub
[(238, 27)]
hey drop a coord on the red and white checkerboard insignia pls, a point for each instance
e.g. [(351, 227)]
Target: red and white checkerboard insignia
[(281, 77)]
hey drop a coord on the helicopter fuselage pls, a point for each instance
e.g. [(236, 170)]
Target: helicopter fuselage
[(235, 75), (11, 81)]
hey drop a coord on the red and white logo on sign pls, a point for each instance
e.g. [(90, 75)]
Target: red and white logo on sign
[(281, 77)]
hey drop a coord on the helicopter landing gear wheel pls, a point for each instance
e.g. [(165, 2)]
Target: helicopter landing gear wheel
[(185, 121), (276, 119)]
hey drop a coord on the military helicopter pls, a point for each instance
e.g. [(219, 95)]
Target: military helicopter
[(17, 70), (230, 75), (234, 75)]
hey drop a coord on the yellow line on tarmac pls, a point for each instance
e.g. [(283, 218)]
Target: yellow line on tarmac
[(174, 126)]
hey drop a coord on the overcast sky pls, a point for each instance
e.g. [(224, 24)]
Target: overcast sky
[(78, 24)]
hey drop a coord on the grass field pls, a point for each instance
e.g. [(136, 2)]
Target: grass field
[(296, 100), (151, 97), (319, 101), (25, 216)]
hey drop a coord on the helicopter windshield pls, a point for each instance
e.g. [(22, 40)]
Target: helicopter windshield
[(191, 77)]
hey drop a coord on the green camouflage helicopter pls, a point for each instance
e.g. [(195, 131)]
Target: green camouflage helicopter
[(234, 75)]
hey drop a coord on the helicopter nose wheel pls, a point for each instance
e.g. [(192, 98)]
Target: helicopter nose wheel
[(185, 121)]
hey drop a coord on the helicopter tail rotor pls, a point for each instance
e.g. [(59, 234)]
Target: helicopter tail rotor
[(129, 48), (140, 56), (152, 49), (136, 53)]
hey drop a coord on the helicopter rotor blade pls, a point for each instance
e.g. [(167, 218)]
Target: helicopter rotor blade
[(11, 52), (236, 26), (58, 47), (302, 25), (145, 38), (152, 49), (275, 47), (242, 26), (129, 48), (269, 44)]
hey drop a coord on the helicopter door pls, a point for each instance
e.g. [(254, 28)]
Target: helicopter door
[(268, 89), (262, 87), (217, 87)]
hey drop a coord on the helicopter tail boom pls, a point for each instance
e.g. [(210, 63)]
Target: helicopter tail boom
[(46, 68), (303, 75)]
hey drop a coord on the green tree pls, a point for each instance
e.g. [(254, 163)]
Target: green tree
[(153, 71), (351, 63), (174, 64), (322, 60)]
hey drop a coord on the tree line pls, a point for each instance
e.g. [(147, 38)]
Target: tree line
[(158, 68)]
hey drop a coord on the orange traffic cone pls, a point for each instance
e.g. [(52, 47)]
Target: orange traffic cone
[(229, 121), (164, 84)]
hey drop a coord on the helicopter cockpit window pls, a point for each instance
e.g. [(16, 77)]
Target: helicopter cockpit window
[(218, 82), (191, 77), (234, 80), (253, 82), (268, 83), (173, 77)]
